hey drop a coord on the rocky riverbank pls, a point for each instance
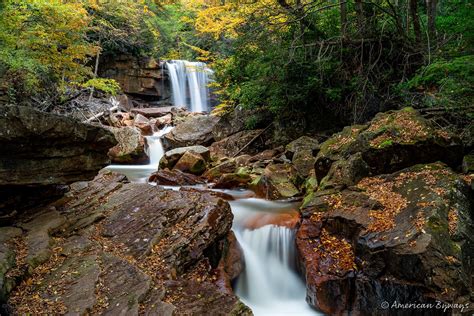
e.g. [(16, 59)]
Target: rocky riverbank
[(386, 216)]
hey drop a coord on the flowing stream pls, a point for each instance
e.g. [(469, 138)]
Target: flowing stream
[(269, 285), (189, 84)]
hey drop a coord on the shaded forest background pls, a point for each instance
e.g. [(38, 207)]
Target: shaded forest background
[(312, 64)]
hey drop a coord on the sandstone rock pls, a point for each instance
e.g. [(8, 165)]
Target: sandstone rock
[(277, 182), (154, 112), (164, 121), (143, 124), (138, 76), (196, 130), (38, 239), (123, 300), (171, 157), (392, 141), (152, 251), (267, 154), (227, 166), (46, 149), (230, 123), (346, 172), (302, 143), (174, 177), (289, 219), (232, 180), (396, 237), (130, 148), (230, 146), (191, 162)]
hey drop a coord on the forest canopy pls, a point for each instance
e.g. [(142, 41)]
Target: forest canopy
[(349, 58)]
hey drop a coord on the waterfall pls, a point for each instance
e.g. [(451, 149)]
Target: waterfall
[(269, 285), (189, 84), (154, 150)]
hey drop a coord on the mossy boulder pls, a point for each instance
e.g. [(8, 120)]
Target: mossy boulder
[(277, 182), (391, 141), (191, 162), (401, 236)]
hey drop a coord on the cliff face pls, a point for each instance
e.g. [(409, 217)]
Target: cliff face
[(42, 150), (141, 77)]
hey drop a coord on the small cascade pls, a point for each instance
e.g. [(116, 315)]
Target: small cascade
[(189, 84), (269, 285), (154, 150)]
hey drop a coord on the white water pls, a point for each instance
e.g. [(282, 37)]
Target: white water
[(269, 285), (154, 150), (189, 84)]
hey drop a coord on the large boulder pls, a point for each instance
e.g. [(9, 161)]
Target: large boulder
[(164, 245), (403, 237), (130, 148), (191, 162), (245, 142), (171, 157), (43, 149), (390, 142), (195, 130), (277, 182), (174, 177)]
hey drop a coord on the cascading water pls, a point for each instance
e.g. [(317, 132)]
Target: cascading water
[(140, 173), (189, 84), (269, 285)]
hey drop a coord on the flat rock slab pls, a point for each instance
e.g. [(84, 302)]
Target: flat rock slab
[(154, 112), (115, 248)]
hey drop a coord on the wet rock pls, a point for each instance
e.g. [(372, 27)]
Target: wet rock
[(129, 249), (232, 180), (204, 299), (230, 146), (154, 112), (142, 224), (174, 177), (346, 172), (267, 154), (164, 121), (305, 143), (390, 142), (277, 182), (391, 238), (143, 124), (196, 130), (289, 219), (41, 149), (230, 123), (123, 300), (38, 238), (191, 162), (130, 148), (171, 157), (227, 166)]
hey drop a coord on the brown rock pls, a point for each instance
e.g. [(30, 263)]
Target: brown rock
[(276, 182), (130, 148), (174, 177), (395, 237), (232, 180), (153, 112), (191, 162), (196, 130), (230, 146)]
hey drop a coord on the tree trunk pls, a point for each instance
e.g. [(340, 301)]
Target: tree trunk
[(96, 70), (360, 16), (415, 20), (431, 13), (343, 5)]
